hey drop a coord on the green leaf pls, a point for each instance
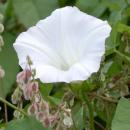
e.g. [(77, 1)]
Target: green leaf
[(30, 11), (54, 100), (123, 28), (29, 123), (112, 42), (105, 111), (115, 16), (77, 114), (63, 3), (46, 89), (124, 57), (99, 10), (121, 119), (114, 69), (9, 62), (87, 5)]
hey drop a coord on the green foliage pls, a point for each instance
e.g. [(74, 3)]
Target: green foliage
[(9, 62), (30, 11), (78, 117), (63, 3), (123, 28), (28, 123), (122, 115), (104, 89)]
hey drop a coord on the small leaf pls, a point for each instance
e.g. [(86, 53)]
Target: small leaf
[(124, 57), (123, 28)]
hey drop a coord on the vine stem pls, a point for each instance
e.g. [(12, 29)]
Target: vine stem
[(90, 109), (6, 113), (12, 106), (108, 99)]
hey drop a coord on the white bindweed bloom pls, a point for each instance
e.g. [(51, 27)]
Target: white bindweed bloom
[(66, 46)]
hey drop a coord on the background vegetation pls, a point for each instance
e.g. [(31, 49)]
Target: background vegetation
[(106, 89)]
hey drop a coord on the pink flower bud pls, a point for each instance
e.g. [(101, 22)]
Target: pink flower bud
[(26, 93), (30, 90), (24, 76), (53, 118), (41, 116), (34, 86), (47, 122), (33, 109), (37, 98), (44, 107)]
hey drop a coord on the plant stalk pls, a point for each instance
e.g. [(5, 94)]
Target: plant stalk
[(90, 109), (12, 106)]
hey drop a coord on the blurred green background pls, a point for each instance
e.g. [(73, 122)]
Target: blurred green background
[(19, 15), (22, 14)]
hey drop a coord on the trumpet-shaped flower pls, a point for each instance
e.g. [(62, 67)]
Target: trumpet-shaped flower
[(66, 46)]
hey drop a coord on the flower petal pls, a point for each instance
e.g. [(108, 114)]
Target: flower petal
[(66, 46)]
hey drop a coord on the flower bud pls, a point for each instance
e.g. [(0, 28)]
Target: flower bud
[(1, 28), (33, 109), (1, 41), (16, 96), (18, 114), (29, 60), (37, 98), (53, 118), (2, 73), (67, 121), (47, 122), (34, 86), (30, 90), (27, 93), (40, 116), (33, 72), (14, 99), (44, 107), (24, 76)]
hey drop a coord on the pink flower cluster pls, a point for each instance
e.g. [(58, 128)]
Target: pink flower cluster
[(41, 111), (30, 90), (27, 85)]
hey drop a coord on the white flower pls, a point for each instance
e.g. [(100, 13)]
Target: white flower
[(66, 46)]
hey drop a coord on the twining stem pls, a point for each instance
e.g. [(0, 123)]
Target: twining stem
[(91, 116), (100, 125), (5, 106), (74, 125), (12, 106), (108, 99), (6, 113), (90, 108)]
